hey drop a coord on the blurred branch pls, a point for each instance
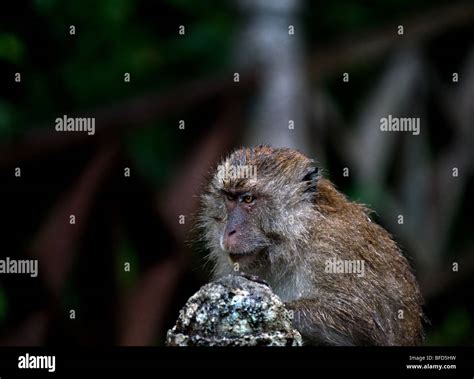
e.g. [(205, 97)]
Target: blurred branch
[(31, 332), (376, 43), (459, 155), (56, 243), (132, 113), (127, 114), (180, 198), (446, 280), (369, 149), (144, 308)]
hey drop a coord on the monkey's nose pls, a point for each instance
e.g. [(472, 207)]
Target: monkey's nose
[(230, 240)]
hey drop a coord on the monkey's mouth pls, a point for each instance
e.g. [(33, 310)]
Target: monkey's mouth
[(246, 255)]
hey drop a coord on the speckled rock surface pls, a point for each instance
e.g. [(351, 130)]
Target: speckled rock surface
[(234, 311)]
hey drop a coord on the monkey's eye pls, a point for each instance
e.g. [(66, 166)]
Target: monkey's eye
[(230, 197), (248, 199)]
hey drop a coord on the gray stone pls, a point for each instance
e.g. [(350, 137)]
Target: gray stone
[(235, 310)]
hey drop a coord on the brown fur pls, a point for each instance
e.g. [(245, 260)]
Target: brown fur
[(299, 221)]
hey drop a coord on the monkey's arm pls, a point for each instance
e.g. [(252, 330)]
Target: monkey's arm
[(329, 323)]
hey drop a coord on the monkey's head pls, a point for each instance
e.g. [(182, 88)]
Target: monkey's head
[(257, 203)]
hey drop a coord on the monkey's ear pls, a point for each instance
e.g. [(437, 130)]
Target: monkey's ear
[(312, 178)]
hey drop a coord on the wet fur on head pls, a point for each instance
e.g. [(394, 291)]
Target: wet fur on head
[(286, 196)]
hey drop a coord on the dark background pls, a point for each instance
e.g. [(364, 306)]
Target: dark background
[(189, 77)]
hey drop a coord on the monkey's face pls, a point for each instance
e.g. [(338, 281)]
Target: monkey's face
[(241, 236), (235, 224), (254, 205)]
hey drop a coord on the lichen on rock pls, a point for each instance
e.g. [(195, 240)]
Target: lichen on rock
[(235, 310)]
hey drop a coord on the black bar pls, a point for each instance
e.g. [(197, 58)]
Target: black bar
[(135, 361)]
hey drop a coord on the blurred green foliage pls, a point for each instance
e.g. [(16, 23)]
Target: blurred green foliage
[(11, 48), (455, 329), (68, 73), (3, 305), (343, 17)]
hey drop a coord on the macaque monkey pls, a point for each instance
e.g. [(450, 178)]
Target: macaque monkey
[(269, 212)]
